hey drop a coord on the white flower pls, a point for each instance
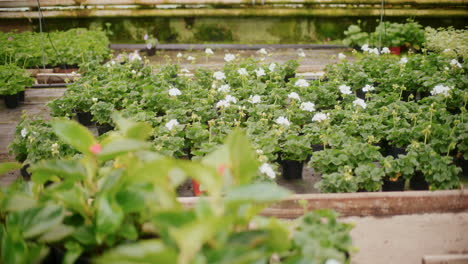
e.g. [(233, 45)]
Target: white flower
[(332, 261), (308, 106), (374, 50), (255, 99), (344, 89), (179, 55), (368, 88), (222, 103), (267, 170), (229, 57), (262, 51), (209, 51), (219, 75), (54, 149), (259, 72), (171, 124), (133, 72), (441, 89), (301, 54), (455, 63), (359, 102), (341, 56), (242, 71), (145, 37), (94, 99), (403, 60), (190, 58), (224, 88), (282, 121), (174, 92), (259, 152), (319, 117), (272, 66), (294, 95), (385, 50), (301, 83), (24, 132), (149, 46), (365, 47), (446, 50), (184, 70), (230, 99), (134, 56), (112, 62)]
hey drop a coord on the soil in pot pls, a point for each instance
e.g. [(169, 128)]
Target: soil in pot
[(85, 118), (24, 172), (292, 169), (11, 100), (21, 96), (418, 182), (395, 151), (390, 185), (102, 129)]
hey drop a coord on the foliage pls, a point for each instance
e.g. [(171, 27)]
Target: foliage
[(117, 203), (447, 40), (73, 47), (13, 79)]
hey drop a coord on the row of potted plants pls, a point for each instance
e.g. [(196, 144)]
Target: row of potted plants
[(60, 48), (420, 99), (13, 81), (409, 35), (116, 202)]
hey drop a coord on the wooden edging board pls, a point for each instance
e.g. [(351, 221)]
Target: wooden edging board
[(376, 204)]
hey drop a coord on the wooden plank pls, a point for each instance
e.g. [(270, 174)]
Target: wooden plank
[(446, 259), (56, 77), (247, 12), (367, 204), (226, 46), (50, 3)]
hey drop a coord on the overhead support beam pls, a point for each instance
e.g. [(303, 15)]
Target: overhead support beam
[(245, 12)]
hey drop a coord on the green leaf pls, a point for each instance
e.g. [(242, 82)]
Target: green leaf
[(37, 221), (74, 134), (143, 252), (257, 193), (121, 146), (207, 176), (19, 202), (131, 129), (109, 217), (56, 233), (68, 170), (191, 237), (244, 163), (6, 167)]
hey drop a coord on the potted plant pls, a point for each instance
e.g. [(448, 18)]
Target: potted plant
[(102, 115), (13, 80), (151, 43)]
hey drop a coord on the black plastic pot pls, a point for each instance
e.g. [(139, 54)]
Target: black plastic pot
[(459, 161), (24, 172), (151, 52), (85, 118), (317, 147), (393, 186), (11, 100), (395, 151), (292, 169), (360, 94), (21, 96), (56, 256), (289, 76), (102, 129), (418, 182)]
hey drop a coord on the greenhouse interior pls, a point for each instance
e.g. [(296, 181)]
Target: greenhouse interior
[(233, 131)]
